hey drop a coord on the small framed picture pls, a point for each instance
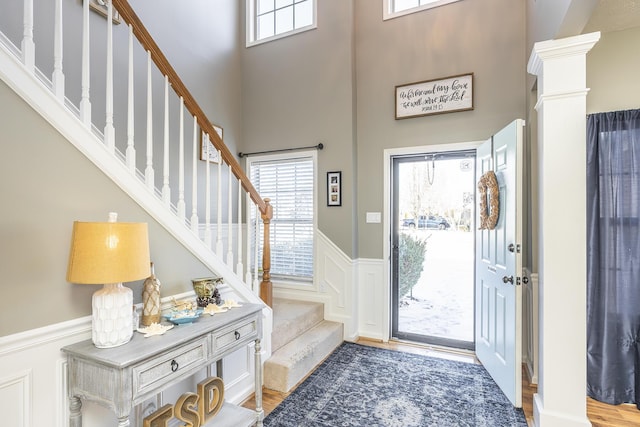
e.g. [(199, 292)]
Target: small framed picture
[(334, 188), (213, 151)]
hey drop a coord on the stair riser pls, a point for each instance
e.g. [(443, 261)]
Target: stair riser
[(293, 319), (298, 358)]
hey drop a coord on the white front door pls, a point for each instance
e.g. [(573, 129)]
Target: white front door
[(499, 265)]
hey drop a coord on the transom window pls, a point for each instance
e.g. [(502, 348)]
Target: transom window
[(272, 19), (394, 8), (290, 184)]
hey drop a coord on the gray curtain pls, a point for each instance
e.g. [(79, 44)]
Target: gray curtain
[(613, 257)]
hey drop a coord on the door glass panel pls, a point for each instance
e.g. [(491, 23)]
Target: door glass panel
[(433, 242)]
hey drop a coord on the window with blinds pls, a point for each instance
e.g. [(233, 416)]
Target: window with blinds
[(290, 184)]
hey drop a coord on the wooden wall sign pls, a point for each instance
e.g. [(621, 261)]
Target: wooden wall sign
[(439, 96)]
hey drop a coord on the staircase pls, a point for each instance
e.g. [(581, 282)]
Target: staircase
[(158, 172), (300, 341)]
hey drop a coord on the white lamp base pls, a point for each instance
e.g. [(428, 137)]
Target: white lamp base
[(112, 319)]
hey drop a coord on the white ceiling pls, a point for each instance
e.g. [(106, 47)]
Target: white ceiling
[(614, 15)]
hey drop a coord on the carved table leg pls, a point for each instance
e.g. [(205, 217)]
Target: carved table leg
[(75, 412), (258, 385), (124, 421)]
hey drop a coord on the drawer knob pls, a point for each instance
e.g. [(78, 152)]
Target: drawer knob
[(174, 366), (237, 335)]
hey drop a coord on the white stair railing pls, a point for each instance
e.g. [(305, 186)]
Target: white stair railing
[(205, 182)]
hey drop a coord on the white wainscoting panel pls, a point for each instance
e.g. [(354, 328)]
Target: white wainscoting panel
[(15, 398), (334, 286), (373, 301), (353, 292), (35, 357)]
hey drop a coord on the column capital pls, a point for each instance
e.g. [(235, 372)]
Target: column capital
[(553, 49)]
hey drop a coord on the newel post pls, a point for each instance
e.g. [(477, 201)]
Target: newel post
[(266, 287)]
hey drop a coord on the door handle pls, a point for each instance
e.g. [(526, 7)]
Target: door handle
[(507, 279)]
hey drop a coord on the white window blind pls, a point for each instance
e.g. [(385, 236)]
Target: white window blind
[(289, 183)]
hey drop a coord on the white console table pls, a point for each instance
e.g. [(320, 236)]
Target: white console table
[(122, 377)]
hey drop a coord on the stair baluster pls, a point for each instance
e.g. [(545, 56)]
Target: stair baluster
[(57, 78), (131, 151)]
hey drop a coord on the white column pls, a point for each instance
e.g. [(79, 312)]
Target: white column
[(560, 66)]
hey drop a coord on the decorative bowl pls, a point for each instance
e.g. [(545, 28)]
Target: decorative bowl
[(183, 316)]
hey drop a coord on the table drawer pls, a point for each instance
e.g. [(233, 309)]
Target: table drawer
[(246, 331), (169, 367)]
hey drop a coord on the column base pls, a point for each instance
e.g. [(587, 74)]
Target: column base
[(542, 418)]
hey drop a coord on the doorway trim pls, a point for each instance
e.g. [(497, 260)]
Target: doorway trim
[(386, 223)]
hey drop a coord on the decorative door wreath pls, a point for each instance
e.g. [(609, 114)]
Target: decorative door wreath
[(489, 200)]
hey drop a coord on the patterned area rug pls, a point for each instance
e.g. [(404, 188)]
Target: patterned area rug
[(365, 386)]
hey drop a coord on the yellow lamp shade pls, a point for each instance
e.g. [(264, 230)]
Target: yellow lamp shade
[(108, 252)]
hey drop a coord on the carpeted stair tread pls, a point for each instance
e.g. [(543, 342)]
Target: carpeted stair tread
[(292, 318), (292, 362)]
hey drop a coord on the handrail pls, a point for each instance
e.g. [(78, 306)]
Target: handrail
[(129, 16)]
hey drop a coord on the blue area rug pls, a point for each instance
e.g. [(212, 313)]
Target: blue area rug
[(361, 386)]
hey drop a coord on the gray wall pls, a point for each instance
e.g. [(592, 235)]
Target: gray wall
[(202, 40), (612, 72), (45, 185), (300, 91), (332, 85), (297, 92), (484, 37), (48, 184)]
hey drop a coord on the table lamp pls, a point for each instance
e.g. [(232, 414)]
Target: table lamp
[(109, 253)]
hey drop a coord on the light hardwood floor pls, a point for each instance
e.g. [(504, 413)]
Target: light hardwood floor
[(600, 414)]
